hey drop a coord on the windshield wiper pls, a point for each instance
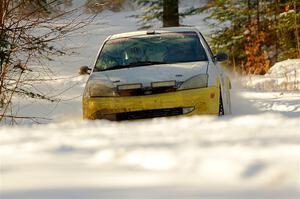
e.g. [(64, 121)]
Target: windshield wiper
[(114, 67), (134, 64), (143, 63)]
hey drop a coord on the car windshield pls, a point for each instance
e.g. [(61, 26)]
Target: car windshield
[(162, 48)]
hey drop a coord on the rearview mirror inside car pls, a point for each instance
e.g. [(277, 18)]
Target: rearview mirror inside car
[(221, 57), (84, 70)]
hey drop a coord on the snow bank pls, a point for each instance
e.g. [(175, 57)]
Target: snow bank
[(283, 75), (253, 153), (195, 154)]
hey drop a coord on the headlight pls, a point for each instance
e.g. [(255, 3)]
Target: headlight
[(199, 81), (96, 89)]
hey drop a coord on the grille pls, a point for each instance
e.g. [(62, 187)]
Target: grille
[(149, 114), (145, 91)]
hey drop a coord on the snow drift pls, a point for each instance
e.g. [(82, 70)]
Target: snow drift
[(198, 155), (283, 75)]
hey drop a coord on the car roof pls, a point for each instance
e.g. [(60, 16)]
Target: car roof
[(160, 30)]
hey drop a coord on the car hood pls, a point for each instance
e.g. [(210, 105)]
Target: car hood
[(154, 73)]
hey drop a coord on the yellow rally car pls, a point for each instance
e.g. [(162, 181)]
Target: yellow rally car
[(157, 73)]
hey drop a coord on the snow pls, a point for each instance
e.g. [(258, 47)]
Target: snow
[(283, 75), (253, 153), (232, 156)]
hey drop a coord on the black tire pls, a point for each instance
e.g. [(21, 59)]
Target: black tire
[(221, 107)]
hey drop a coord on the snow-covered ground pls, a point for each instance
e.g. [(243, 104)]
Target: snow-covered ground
[(251, 154), (254, 153), (283, 75)]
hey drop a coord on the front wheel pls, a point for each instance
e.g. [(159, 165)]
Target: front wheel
[(221, 107)]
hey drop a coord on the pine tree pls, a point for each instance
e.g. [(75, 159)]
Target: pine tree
[(152, 11), (40, 7), (96, 6), (166, 11), (255, 33), (287, 29)]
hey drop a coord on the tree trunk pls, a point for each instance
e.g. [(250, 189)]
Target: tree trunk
[(257, 16), (1, 10), (170, 13), (2, 6), (249, 12), (296, 29), (276, 32)]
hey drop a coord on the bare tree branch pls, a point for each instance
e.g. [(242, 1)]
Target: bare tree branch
[(28, 31)]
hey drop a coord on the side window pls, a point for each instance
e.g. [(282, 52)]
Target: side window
[(207, 46)]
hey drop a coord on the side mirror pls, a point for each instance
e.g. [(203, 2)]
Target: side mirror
[(221, 57), (84, 70)]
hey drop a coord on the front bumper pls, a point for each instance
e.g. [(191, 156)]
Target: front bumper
[(199, 101)]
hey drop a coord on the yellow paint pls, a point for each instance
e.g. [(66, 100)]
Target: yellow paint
[(204, 100)]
